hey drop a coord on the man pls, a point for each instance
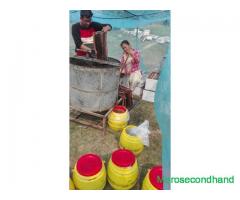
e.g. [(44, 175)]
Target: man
[(83, 32)]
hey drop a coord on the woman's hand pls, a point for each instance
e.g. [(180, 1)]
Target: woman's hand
[(85, 48), (128, 71), (130, 52)]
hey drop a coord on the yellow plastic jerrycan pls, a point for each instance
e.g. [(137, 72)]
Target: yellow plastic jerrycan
[(71, 185), (130, 142), (122, 170), (153, 179), (118, 118), (89, 173)]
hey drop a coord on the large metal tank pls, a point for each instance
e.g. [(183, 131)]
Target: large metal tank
[(93, 83)]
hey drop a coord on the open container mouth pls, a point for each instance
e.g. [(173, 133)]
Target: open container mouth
[(123, 158), (155, 176), (89, 165), (94, 62), (119, 109), (131, 130)]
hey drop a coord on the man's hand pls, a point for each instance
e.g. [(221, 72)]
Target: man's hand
[(91, 53), (106, 28), (85, 48)]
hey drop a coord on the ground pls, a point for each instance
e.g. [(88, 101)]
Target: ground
[(88, 140)]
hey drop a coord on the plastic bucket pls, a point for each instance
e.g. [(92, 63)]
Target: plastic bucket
[(122, 170), (130, 142), (71, 185), (153, 179), (89, 173), (118, 118)]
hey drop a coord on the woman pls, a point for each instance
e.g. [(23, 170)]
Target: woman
[(130, 70)]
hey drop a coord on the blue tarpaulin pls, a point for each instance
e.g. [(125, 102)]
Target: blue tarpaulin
[(125, 18), (162, 106)]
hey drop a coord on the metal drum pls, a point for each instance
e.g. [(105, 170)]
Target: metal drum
[(93, 83)]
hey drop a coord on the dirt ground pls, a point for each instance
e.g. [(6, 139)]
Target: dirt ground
[(84, 140)]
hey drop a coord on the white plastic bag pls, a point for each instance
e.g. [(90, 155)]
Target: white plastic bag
[(142, 131)]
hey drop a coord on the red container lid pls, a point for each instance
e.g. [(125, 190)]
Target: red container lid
[(155, 177), (119, 108), (89, 165), (123, 158)]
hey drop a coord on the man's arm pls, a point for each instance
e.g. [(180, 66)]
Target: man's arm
[(76, 36), (101, 27)]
